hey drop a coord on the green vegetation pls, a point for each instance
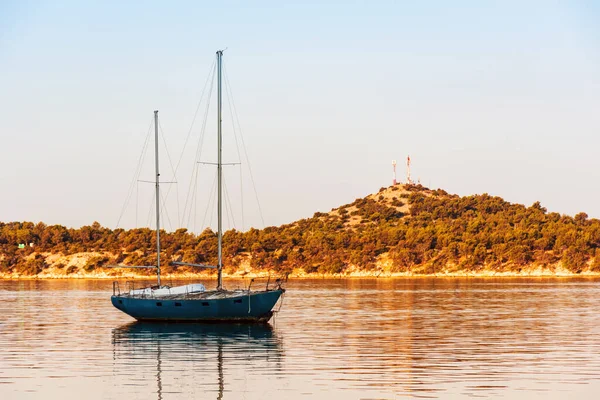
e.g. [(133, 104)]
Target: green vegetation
[(404, 228)]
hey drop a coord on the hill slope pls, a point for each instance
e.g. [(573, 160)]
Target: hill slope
[(403, 229)]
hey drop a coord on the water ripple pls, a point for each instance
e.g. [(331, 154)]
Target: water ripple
[(341, 338)]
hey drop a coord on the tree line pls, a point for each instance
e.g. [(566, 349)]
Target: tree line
[(437, 232)]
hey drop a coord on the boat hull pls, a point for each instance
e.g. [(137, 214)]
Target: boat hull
[(256, 307)]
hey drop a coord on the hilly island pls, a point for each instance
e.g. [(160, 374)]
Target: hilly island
[(403, 230)]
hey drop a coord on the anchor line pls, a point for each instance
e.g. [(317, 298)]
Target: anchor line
[(249, 308), (281, 302)]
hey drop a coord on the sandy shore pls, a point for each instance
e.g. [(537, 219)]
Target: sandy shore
[(303, 275), (73, 266)]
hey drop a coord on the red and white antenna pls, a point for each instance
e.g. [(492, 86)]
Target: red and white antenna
[(394, 177), (408, 170)]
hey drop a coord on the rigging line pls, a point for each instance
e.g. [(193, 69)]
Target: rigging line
[(140, 164), (242, 199), (192, 177), (195, 203), (195, 199), (227, 209), (211, 73), (149, 223), (228, 206), (231, 210), (214, 199), (136, 173), (227, 85), (200, 142), (204, 122), (137, 202), (212, 214), (195, 179), (210, 198), (237, 147), (166, 212), (162, 133), (210, 77), (190, 192)]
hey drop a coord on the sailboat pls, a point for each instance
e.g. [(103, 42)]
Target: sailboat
[(193, 302)]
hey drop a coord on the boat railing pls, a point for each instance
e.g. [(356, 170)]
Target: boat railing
[(130, 288), (270, 284)]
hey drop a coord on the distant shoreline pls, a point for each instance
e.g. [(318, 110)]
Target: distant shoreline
[(264, 276), (400, 231)]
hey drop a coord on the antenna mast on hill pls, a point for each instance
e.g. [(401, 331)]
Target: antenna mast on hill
[(408, 170), (394, 178)]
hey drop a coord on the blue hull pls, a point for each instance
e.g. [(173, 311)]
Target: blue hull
[(256, 307)]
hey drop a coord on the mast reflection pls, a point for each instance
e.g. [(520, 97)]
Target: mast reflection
[(180, 349)]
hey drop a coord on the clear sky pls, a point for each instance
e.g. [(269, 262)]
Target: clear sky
[(500, 97)]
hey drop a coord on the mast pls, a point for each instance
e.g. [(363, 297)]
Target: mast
[(157, 198), (219, 172)]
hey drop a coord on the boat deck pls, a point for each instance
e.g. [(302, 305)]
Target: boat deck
[(206, 295)]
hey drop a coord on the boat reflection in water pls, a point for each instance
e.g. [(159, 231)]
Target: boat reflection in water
[(194, 359)]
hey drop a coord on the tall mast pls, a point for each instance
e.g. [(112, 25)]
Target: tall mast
[(219, 172), (157, 198)]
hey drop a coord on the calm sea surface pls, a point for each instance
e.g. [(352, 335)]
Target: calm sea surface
[(333, 339)]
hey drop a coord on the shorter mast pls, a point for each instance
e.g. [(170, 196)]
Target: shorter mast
[(157, 198)]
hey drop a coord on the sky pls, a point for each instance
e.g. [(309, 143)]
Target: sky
[(498, 97)]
